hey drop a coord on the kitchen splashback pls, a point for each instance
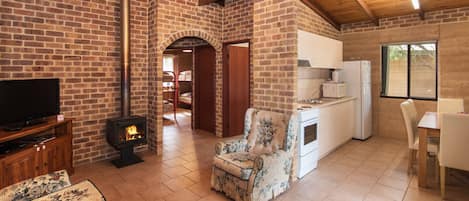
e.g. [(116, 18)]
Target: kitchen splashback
[(310, 81)]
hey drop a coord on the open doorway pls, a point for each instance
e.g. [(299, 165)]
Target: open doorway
[(189, 85), (236, 86)]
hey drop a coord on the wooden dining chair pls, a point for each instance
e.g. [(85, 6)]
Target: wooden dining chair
[(450, 105), (454, 147), (409, 113)]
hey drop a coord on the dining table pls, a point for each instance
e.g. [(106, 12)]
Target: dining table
[(429, 126)]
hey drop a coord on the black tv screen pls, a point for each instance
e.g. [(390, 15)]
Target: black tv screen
[(25, 100)]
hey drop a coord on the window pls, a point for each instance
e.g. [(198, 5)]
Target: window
[(410, 71), (168, 63), (168, 66)]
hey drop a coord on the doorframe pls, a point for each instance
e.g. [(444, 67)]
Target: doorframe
[(225, 88)]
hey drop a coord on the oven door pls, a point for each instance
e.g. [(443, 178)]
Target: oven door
[(308, 136)]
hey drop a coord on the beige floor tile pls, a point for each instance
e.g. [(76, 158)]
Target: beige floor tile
[(156, 192), (314, 189), (387, 192), (372, 197), (182, 195), (213, 197), (178, 183), (351, 190), (174, 162), (176, 171), (202, 189), (394, 182)]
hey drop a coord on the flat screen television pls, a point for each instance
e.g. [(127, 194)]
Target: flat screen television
[(23, 102)]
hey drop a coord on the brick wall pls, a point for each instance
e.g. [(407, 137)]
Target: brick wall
[(78, 42), (274, 54), (152, 72), (237, 20), (311, 22), (448, 27)]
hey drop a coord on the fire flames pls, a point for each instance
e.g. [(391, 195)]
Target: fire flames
[(132, 133)]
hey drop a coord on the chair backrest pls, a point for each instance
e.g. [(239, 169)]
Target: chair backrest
[(454, 141), (268, 131), (450, 105), (409, 112)]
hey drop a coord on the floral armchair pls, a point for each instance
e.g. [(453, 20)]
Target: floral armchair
[(256, 167)]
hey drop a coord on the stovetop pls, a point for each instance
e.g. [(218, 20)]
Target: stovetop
[(311, 101)]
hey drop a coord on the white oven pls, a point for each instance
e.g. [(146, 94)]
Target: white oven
[(308, 141)]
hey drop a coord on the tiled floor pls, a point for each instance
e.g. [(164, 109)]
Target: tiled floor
[(372, 170)]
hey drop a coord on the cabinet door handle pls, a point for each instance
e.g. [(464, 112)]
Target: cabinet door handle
[(37, 168), (45, 164)]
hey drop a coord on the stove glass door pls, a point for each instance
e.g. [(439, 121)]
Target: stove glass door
[(310, 133)]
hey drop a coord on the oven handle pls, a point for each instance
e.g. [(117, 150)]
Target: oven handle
[(310, 122)]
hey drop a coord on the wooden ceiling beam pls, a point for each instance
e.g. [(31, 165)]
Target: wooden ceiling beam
[(368, 12), (421, 12), (313, 5)]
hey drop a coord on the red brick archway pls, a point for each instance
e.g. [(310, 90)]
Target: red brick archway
[(190, 33), (156, 77)]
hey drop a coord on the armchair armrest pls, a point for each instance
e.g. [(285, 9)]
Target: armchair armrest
[(271, 175), (267, 161), (230, 146)]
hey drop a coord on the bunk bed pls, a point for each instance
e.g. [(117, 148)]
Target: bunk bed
[(170, 93)]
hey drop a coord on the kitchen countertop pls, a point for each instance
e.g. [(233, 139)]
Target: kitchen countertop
[(325, 102)]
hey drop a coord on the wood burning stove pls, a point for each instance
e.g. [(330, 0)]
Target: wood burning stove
[(124, 133)]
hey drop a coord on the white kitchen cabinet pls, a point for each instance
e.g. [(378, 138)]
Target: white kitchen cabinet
[(336, 126), (322, 52)]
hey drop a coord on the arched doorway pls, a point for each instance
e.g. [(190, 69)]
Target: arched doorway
[(155, 88), (189, 85)]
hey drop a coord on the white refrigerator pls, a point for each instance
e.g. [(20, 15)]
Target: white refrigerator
[(357, 76)]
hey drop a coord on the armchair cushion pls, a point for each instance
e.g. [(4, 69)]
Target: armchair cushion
[(238, 164), (268, 132)]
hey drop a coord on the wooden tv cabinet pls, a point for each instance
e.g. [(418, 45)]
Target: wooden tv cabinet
[(36, 159)]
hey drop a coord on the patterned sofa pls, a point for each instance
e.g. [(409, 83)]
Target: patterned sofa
[(256, 167), (55, 186)]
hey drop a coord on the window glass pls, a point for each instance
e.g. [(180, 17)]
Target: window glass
[(396, 84), (168, 63), (423, 71)]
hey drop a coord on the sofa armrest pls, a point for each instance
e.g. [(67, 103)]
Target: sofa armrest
[(230, 146)]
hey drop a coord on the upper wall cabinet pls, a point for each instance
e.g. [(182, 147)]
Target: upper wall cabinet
[(322, 52)]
